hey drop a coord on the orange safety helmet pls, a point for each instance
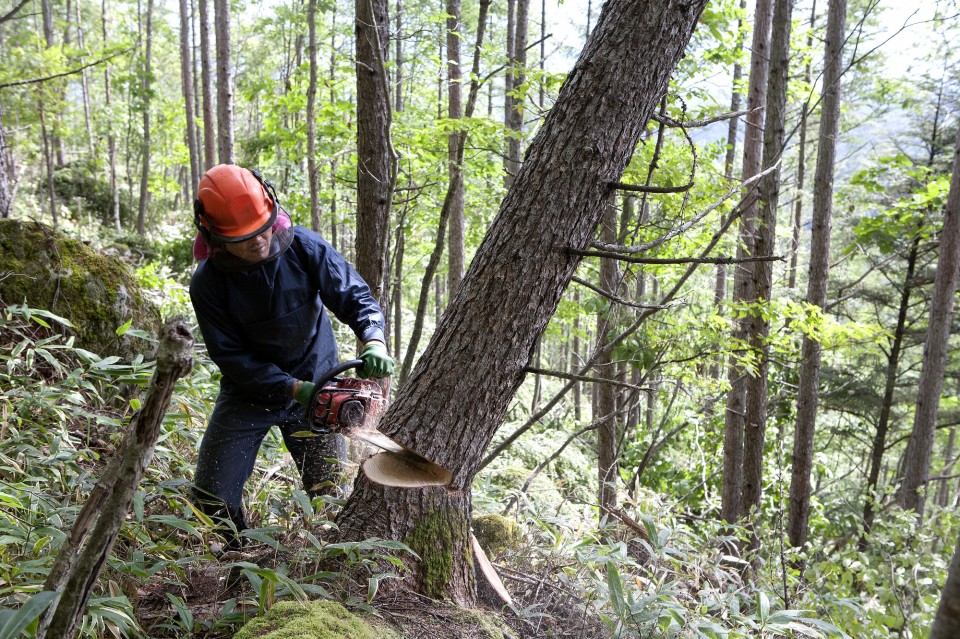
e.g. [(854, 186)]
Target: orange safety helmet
[(234, 204)]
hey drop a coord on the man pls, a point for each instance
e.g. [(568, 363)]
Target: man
[(259, 294)]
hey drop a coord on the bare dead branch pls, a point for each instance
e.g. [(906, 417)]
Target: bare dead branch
[(615, 298)]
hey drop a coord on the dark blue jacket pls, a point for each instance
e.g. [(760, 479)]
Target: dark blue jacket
[(265, 327)]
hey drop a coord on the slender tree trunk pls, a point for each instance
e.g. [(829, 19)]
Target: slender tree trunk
[(890, 385), (111, 137), (606, 407), (526, 258), (518, 77), (376, 162), (808, 393), (946, 623), (221, 10), (85, 86), (916, 467), (313, 176), (455, 239), (398, 63), (6, 172), (943, 488), (437, 252), (755, 423), (147, 88), (207, 86), (732, 489), (186, 73), (801, 161), (720, 283)]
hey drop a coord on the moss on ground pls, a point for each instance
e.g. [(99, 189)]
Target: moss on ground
[(496, 533), (314, 620)]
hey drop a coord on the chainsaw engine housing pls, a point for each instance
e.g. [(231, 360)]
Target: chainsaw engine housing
[(345, 405)]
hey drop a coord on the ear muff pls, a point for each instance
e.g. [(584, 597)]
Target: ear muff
[(268, 187), (199, 217)]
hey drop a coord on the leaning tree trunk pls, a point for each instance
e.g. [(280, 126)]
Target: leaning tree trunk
[(808, 393), (376, 169), (916, 466), (731, 493), (525, 262)]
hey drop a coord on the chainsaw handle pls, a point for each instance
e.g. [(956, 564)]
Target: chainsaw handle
[(336, 370)]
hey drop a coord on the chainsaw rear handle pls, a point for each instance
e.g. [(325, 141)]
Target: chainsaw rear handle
[(336, 370)]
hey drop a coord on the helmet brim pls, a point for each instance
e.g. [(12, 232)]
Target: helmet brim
[(246, 236)]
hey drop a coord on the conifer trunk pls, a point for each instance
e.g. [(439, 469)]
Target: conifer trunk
[(808, 394), (916, 467), (732, 489)]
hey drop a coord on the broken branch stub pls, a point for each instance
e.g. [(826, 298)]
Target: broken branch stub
[(117, 486)]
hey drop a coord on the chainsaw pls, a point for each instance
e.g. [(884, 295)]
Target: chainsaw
[(352, 407), (344, 405)]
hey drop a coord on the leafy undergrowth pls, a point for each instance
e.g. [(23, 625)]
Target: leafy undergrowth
[(643, 571)]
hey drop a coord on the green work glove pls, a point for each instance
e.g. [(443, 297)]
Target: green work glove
[(304, 392), (376, 362)]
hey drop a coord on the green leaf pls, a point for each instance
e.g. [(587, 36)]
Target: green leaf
[(15, 624), (124, 327)]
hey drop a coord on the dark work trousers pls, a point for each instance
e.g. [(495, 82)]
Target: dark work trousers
[(229, 449)]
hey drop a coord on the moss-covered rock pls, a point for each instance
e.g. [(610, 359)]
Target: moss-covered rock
[(48, 270), (315, 620), (496, 533)]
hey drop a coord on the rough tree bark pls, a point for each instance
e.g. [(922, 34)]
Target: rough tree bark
[(731, 491), (376, 170), (74, 575), (808, 394), (521, 269), (916, 467), (755, 420)]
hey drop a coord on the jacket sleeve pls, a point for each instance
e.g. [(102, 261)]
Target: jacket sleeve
[(222, 337), (343, 291)]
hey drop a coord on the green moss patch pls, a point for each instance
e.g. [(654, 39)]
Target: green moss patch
[(315, 620), (496, 533)]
